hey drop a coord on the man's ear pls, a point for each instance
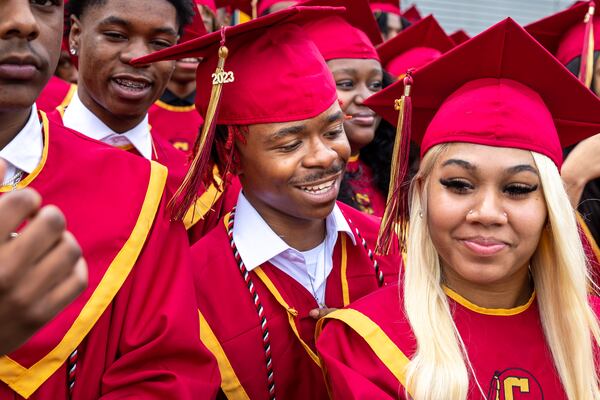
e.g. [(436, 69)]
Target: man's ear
[(74, 35)]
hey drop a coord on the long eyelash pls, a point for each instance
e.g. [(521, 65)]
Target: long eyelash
[(520, 190), (454, 183)]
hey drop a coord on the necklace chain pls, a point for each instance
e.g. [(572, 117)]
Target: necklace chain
[(258, 303), (321, 304), (14, 181)]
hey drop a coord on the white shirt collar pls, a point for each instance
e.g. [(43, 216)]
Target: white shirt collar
[(24, 152), (257, 243), (78, 117)]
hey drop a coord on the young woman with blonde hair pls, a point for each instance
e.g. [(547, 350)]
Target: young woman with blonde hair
[(494, 303)]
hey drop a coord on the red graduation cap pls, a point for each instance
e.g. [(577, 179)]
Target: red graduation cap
[(388, 6), (412, 14), (263, 71), (195, 28), (354, 34), (459, 37), (501, 88), (572, 33), (210, 4), (414, 47)]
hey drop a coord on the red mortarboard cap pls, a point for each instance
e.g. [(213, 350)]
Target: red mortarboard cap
[(263, 71), (210, 4), (354, 34), (196, 28), (570, 34), (563, 33), (500, 88), (412, 14), (279, 73), (459, 37), (414, 47), (389, 6)]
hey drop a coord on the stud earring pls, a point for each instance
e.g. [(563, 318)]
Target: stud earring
[(420, 213), (470, 212), (73, 51)]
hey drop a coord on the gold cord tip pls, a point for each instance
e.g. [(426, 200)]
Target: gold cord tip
[(223, 52)]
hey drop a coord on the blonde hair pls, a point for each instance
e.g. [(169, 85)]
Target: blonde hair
[(440, 367)]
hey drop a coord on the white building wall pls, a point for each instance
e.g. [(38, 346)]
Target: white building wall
[(475, 16)]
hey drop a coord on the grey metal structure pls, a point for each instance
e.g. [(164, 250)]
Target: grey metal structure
[(475, 16)]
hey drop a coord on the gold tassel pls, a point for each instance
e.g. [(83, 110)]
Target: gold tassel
[(587, 70), (394, 223), (187, 193)]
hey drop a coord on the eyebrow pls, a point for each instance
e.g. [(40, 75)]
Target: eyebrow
[(512, 170), (291, 130), (522, 168), (338, 116), (347, 70), (355, 71), (113, 20), (461, 163), (296, 129)]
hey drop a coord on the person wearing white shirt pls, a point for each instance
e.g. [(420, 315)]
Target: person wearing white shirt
[(257, 243), (288, 253), (41, 268), (113, 97)]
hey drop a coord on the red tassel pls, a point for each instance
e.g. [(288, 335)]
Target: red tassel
[(394, 224), (586, 67)]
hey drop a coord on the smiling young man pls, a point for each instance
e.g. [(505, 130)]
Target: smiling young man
[(133, 332), (288, 253), (113, 97)]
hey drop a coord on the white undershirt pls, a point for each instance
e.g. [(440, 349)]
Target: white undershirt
[(257, 243), (315, 268), (24, 152), (78, 117)]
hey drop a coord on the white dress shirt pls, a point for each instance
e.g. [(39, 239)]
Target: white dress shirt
[(78, 117), (257, 243), (24, 152)]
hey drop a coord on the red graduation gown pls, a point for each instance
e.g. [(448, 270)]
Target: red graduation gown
[(368, 197), (366, 348), (200, 218), (230, 325), (135, 328), (56, 93), (178, 125)]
